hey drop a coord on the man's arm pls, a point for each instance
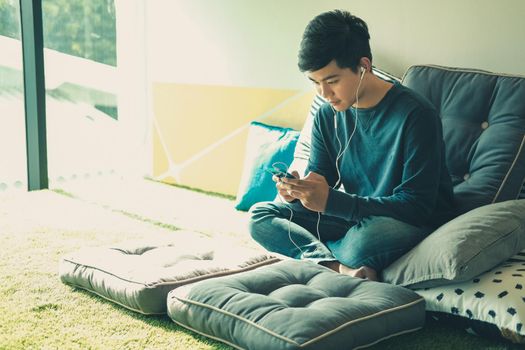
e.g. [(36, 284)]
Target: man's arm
[(323, 148)]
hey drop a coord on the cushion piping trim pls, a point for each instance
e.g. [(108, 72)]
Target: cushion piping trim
[(206, 306), (268, 261), (462, 70), (114, 301), (291, 341), (241, 348), (208, 335), (388, 337), (522, 188), (362, 319), (518, 154)]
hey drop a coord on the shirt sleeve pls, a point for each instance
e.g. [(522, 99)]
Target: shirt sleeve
[(414, 199), (322, 154)]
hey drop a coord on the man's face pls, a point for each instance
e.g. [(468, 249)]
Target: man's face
[(337, 85)]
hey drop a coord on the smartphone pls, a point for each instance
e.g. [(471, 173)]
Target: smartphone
[(280, 173)]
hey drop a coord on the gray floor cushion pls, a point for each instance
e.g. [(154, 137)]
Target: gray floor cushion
[(139, 275), (296, 305)]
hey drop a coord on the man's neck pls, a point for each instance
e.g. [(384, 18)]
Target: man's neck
[(373, 90)]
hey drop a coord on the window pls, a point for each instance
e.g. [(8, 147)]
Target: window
[(93, 96), (13, 173), (95, 102)]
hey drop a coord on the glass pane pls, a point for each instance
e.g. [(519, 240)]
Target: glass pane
[(86, 87), (81, 28), (13, 174)]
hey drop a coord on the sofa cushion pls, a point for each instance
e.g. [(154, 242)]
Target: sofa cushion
[(266, 145), (483, 117), (296, 305), (463, 248), (492, 303), (138, 275)]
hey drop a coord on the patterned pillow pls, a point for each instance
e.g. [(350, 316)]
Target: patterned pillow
[(492, 301)]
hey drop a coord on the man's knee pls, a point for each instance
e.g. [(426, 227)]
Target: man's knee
[(261, 215), (376, 242), (398, 238), (359, 255), (261, 208)]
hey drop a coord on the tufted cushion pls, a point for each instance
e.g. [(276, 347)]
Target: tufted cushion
[(138, 275), (483, 117), (296, 305)]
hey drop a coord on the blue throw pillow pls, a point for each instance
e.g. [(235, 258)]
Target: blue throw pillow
[(265, 146)]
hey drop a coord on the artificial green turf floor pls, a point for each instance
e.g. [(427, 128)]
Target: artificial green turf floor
[(37, 311)]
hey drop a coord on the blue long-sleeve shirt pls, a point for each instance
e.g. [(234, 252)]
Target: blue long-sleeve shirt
[(394, 165)]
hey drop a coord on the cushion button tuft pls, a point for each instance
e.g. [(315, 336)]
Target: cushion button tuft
[(466, 176), (484, 125)]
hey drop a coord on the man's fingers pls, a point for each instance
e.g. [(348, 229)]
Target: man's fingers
[(299, 191), (315, 177)]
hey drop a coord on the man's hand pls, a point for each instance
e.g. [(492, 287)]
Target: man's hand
[(283, 193), (311, 190)]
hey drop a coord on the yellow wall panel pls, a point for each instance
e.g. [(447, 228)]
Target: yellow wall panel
[(293, 114), (204, 129), (220, 170), (191, 117)]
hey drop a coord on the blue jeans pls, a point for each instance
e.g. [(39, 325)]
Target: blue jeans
[(375, 241)]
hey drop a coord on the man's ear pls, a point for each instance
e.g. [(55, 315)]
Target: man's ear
[(365, 63)]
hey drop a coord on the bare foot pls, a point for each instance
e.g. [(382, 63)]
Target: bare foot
[(332, 265), (364, 272)]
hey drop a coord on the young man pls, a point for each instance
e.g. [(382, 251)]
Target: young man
[(380, 141)]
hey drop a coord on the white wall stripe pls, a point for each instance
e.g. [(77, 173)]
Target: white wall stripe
[(162, 142)]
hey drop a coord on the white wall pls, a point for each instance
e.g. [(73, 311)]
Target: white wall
[(254, 43), (226, 42), (215, 65), (483, 34)]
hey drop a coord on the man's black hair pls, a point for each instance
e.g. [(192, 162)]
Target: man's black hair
[(333, 35)]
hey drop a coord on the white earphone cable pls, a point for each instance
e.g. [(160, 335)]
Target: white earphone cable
[(291, 217), (341, 152), (339, 155)]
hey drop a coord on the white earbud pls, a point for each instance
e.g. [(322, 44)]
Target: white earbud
[(363, 71)]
